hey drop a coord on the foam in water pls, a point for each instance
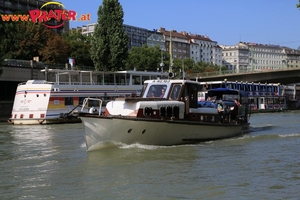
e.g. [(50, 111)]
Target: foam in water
[(290, 135)]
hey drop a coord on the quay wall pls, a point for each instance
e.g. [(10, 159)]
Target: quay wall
[(5, 110)]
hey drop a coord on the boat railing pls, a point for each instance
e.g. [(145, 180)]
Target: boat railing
[(92, 109), (36, 82), (89, 83)]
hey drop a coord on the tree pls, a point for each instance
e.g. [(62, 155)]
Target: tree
[(186, 64), (79, 47), (109, 45), (144, 58), (23, 40), (55, 51)]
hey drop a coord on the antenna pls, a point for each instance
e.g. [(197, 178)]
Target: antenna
[(171, 53)]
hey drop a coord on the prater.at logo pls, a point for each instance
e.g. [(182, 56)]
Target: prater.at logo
[(44, 15)]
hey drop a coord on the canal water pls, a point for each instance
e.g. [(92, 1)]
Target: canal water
[(51, 162)]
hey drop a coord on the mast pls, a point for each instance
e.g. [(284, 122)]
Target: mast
[(171, 53)]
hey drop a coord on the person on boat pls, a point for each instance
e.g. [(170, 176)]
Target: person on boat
[(235, 110), (220, 112), (220, 107)]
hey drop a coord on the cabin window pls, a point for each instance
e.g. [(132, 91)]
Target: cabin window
[(157, 91), (120, 79), (93, 103), (69, 101), (175, 92), (136, 80)]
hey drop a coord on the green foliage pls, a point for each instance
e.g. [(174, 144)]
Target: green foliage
[(109, 45), (23, 40), (144, 58), (56, 51), (79, 47)]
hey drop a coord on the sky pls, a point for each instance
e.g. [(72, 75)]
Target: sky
[(227, 22)]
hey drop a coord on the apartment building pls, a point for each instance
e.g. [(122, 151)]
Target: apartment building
[(156, 39), (235, 57), (204, 49), (137, 37), (291, 57), (177, 44), (249, 56), (265, 56)]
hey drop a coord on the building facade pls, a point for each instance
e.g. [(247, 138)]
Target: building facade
[(244, 56), (137, 37), (204, 49), (187, 45), (176, 43), (156, 39), (236, 57), (265, 56), (291, 57), (247, 56)]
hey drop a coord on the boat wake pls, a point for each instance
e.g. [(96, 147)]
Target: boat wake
[(292, 135), (140, 146), (102, 145), (119, 145), (261, 128), (265, 137)]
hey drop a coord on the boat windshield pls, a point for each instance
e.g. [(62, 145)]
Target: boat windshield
[(230, 97), (157, 90)]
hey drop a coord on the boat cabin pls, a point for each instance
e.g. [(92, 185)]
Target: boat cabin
[(178, 99)]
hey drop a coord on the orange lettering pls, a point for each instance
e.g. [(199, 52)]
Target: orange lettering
[(5, 17)]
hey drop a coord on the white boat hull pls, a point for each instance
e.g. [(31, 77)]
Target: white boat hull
[(100, 130)]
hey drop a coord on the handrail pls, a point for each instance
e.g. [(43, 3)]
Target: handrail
[(235, 72), (92, 110)]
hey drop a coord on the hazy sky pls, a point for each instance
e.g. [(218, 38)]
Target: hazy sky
[(224, 21)]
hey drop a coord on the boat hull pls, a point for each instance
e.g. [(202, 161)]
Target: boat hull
[(100, 130)]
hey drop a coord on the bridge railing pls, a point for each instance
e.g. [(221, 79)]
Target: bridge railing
[(28, 63), (231, 72)]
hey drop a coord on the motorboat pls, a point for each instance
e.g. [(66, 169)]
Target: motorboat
[(167, 113)]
